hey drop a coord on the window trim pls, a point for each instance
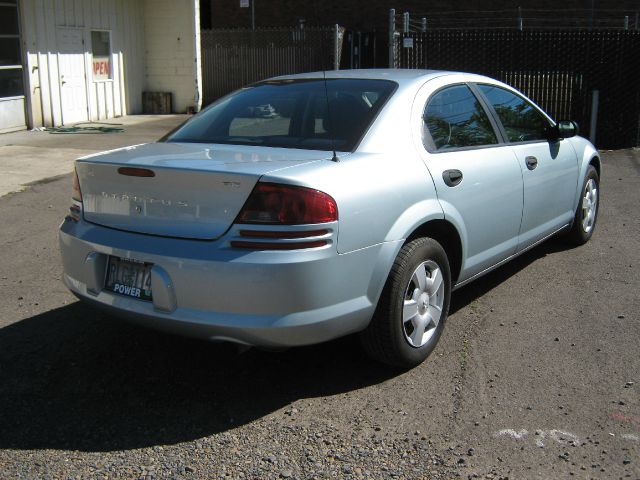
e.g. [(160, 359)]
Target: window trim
[(427, 139), (17, 97), (476, 86)]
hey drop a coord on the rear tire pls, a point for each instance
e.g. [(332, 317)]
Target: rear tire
[(584, 221), (413, 307)]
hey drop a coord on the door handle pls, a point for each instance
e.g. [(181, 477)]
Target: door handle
[(532, 162), (452, 177)]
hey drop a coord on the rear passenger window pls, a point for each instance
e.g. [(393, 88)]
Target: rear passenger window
[(521, 120), (454, 119)]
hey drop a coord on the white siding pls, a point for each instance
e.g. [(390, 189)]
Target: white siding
[(121, 95), (11, 114), (171, 31)]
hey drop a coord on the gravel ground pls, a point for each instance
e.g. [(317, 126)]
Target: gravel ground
[(536, 375)]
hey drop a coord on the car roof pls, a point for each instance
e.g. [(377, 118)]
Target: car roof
[(406, 78)]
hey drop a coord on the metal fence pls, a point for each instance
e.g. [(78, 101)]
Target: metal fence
[(232, 58), (587, 76)]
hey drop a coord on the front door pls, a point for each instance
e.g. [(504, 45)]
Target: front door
[(549, 188), (549, 168), (72, 73)]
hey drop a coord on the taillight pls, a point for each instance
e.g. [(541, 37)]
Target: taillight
[(277, 204), (76, 195), (286, 205)]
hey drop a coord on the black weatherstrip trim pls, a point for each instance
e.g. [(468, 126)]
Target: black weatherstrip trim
[(490, 111)]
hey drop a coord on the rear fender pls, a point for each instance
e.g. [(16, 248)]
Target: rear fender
[(412, 218)]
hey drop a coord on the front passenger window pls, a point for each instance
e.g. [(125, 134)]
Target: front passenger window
[(454, 119), (522, 121)]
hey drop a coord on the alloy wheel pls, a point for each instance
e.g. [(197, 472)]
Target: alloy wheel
[(423, 303), (589, 205)]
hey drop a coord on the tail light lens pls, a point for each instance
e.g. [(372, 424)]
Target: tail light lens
[(76, 196), (277, 204)]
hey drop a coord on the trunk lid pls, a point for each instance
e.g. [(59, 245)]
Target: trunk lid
[(196, 192)]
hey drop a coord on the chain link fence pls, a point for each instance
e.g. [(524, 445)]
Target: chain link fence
[(590, 76), (233, 58)]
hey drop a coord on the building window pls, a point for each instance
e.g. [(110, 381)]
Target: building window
[(101, 49), (11, 83)]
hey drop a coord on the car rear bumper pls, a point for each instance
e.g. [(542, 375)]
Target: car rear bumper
[(208, 290)]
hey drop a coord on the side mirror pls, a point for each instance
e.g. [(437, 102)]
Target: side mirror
[(563, 129)]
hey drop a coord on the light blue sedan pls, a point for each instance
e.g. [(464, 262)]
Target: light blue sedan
[(308, 207)]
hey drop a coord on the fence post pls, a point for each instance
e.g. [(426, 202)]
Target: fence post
[(520, 23), (595, 97), (626, 22), (405, 22), (392, 38), (637, 18), (424, 24), (336, 47)]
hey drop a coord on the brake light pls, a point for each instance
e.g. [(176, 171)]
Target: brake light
[(136, 172), (276, 204), (76, 195)]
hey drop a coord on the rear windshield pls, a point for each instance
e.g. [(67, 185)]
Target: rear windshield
[(291, 114)]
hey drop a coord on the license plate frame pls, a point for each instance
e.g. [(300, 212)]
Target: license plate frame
[(129, 278)]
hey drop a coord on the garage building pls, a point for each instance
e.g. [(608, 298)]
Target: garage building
[(69, 61)]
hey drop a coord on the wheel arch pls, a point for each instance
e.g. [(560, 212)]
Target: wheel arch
[(595, 161), (446, 234), (441, 230), (587, 156)]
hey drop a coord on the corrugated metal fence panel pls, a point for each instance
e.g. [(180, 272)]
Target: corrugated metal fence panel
[(559, 70), (234, 58)]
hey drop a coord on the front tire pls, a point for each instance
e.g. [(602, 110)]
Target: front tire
[(584, 222), (413, 307)]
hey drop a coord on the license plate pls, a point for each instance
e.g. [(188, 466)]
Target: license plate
[(130, 278)]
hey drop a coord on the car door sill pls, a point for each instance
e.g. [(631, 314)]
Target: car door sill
[(509, 258)]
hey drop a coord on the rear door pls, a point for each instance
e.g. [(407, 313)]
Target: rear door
[(477, 178), (549, 168)]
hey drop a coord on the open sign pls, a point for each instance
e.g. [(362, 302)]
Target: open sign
[(101, 68)]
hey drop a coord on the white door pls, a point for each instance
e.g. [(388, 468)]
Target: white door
[(72, 72)]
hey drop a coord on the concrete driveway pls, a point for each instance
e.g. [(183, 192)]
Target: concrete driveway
[(32, 156)]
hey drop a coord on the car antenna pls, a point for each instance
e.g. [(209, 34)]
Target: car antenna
[(326, 96)]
